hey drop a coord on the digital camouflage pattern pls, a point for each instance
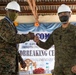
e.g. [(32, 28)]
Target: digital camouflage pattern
[(65, 49), (8, 50)]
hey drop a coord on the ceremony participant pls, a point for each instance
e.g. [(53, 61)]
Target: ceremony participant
[(64, 39), (9, 39)]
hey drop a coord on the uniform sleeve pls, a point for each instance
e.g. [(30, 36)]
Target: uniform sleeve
[(47, 44), (75, 38), (8, 34), (19, 57), (74, 60)]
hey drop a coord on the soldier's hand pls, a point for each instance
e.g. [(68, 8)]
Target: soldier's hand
[(73, 69), (23, 64), (31, 35), (36, 39)]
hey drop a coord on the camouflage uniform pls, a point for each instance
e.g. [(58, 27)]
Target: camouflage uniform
[(8, 50), (65, 49)]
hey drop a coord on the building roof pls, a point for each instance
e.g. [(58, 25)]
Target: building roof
[(39, 7)]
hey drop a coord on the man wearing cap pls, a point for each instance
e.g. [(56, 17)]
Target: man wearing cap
[(64, 39), (9, 39)]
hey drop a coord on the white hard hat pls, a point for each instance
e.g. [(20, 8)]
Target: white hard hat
[(13, 5), (64, 8)]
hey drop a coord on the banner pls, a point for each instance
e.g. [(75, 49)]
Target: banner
[(38, 60), (42, 58)]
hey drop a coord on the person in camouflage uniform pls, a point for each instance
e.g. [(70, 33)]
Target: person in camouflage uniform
[(9, 39), (64, 39)]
